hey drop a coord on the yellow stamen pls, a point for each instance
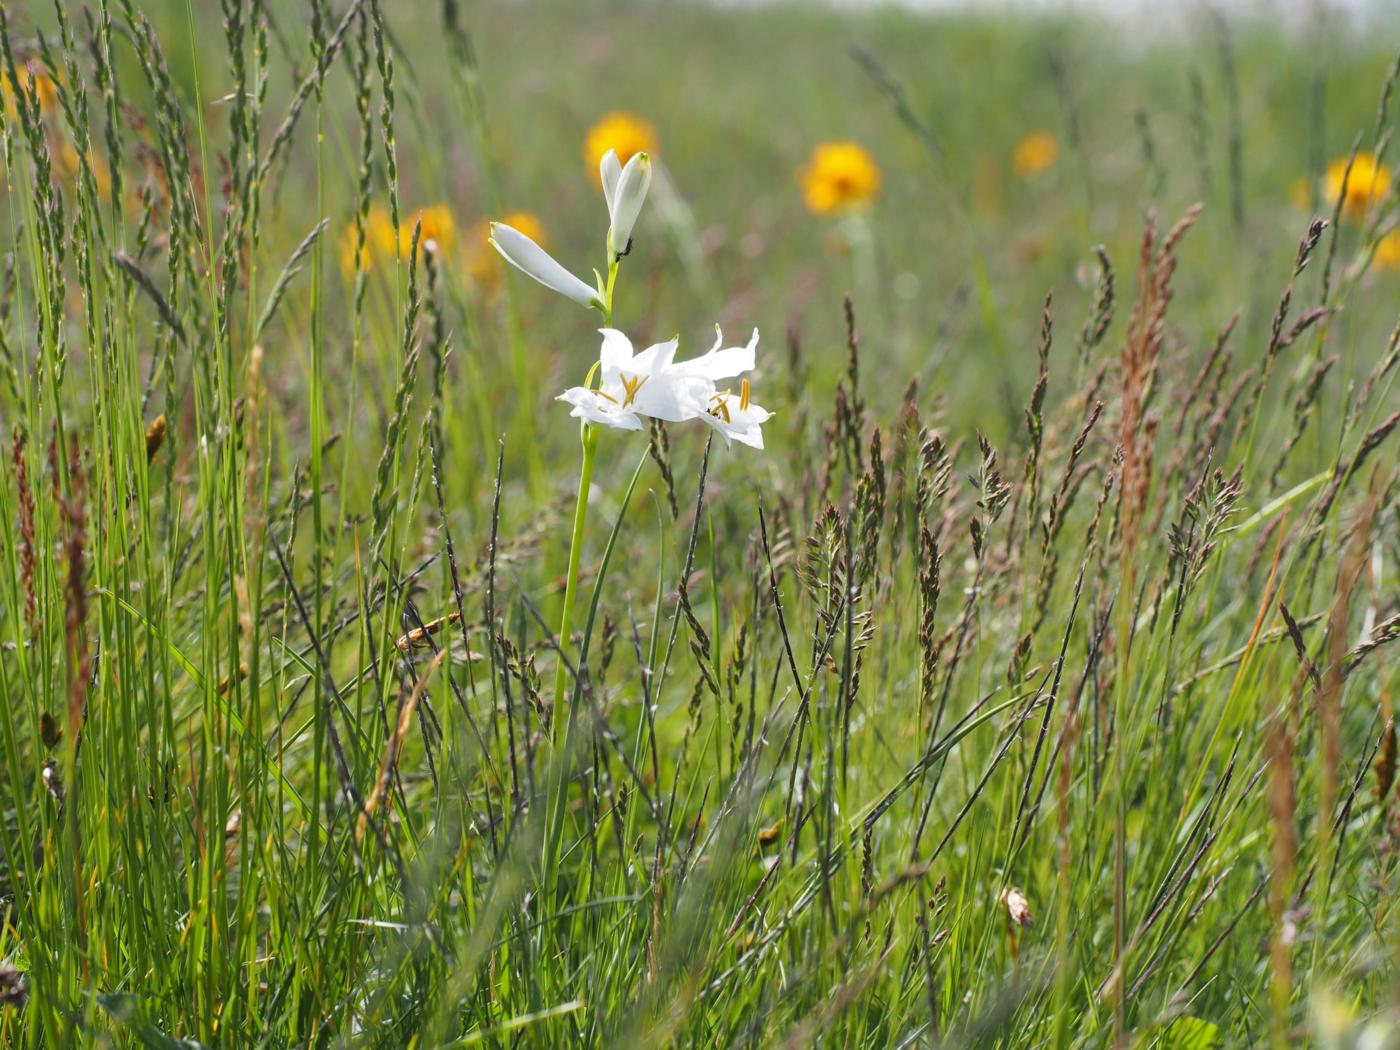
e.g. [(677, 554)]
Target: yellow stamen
[(743, 395), (721, 406), (632, 384), (604, 394)]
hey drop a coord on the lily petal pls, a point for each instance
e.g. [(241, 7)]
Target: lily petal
[(674, 399), (587, 405), (723, 364), (610, 171), (616, 352), (656, 357), (524, 254)]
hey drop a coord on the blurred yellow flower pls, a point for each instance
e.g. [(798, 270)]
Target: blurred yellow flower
[(379, 241), (480, 259), (1035, 154), (68, 168), (1368, 183), (619, 130), (1387, 256), (839, 177), (438, 227), (29, 74)]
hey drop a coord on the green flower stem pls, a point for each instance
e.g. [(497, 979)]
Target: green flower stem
[(588, 435), (589, 438), (563, 715)]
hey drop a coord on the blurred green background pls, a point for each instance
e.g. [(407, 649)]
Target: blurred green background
[(949, 265)]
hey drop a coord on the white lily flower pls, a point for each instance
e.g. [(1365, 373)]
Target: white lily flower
[(633, 385), (625, 196), (735, 416), (654, 384), (524, 254)]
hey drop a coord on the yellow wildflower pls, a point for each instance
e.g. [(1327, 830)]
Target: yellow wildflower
[(379, 230), (349, 241), (1368, 183), (619, 130), (30, 74), (380, 239), (839, 177), (481, 261), (69, 168), (438, 227), (1387, 255), (1035, 154)]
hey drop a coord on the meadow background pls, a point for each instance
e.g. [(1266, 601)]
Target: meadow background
[(1030, 688)]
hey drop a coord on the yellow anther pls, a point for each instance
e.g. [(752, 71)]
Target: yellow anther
[(632, 384), (743, 395)]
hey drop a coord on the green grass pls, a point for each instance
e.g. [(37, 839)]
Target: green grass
[(1090, 598)]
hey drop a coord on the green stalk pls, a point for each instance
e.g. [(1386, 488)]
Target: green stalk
[(588, 436), (563, 710)]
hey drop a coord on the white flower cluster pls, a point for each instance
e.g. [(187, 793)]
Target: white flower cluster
[(650, 384), (654, 384)]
